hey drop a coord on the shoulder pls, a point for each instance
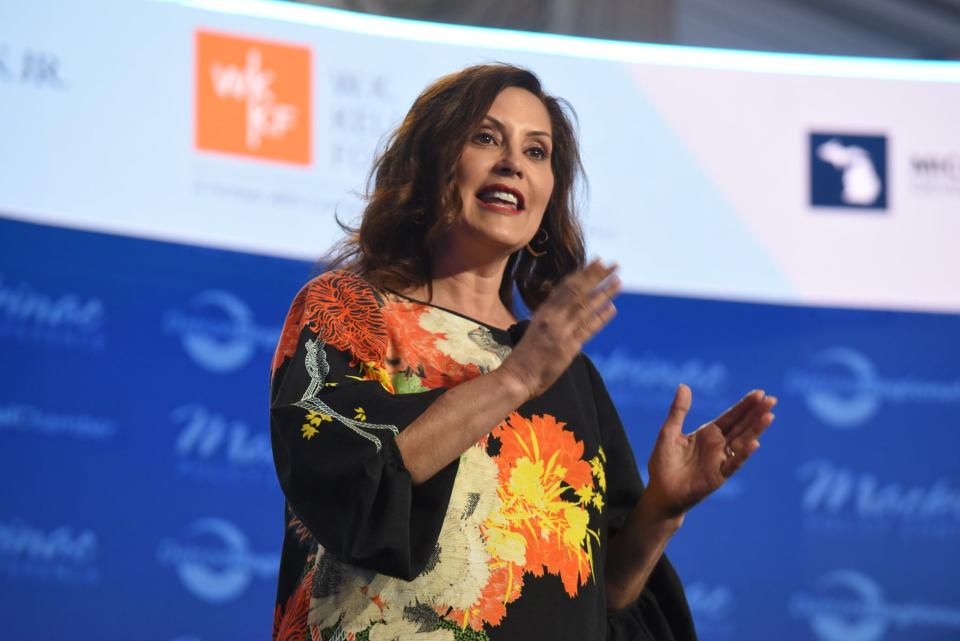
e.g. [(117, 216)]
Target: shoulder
[(345, 311), (587, 368), (339, 292), (593, 382), (339, 285)]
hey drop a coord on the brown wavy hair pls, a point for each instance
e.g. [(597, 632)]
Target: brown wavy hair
[(411, 180)]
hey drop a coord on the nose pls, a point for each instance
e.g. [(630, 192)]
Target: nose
[(508, 165)]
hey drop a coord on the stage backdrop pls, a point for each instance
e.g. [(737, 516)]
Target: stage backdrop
[(170, 171)]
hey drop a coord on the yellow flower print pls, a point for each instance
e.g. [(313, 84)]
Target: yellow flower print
[(373, 372), (360, 415), (576, 530), (539, 522), (596, 467), (507, 546), (546, 488), (314, 420), (586, 494), (598, 502), (526, 483)]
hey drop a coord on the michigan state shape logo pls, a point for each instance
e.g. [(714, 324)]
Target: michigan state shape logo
[(848, 171)]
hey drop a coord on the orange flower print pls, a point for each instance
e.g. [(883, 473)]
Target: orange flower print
[(541, 471), (342, 309), (504, 586), (525, 510), (287, 345), (407, 336), (414, 347), (443, 371), (290, 621), (546, 494)]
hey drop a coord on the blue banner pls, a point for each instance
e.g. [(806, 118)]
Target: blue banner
[(141, 499)]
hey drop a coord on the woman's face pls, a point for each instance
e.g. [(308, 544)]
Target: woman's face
[(504, 176)]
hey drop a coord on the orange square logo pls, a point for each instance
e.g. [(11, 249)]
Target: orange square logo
[(252, 98)]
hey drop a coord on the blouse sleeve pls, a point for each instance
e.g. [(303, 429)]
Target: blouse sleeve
[(660, 613), (334, 419)]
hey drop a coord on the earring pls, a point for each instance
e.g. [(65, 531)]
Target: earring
[(540, 241)]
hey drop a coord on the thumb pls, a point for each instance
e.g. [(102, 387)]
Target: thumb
[(673, 426)]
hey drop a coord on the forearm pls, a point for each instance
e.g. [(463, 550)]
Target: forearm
[(456, 420), (634, 552)]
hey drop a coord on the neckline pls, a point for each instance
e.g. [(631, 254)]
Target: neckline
[(500, 330)]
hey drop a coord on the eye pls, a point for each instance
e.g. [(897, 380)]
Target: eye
[(485, 138), (537, 153)]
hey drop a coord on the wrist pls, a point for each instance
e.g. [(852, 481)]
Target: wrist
[(513, 384), (656, 518)]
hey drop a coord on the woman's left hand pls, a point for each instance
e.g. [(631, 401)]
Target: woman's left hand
[(685, 469)]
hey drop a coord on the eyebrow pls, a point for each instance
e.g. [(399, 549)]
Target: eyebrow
[(529, 133)]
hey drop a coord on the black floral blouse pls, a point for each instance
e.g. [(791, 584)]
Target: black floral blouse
[(508, 542)]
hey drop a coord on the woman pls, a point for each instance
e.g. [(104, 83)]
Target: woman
[(415, 509)]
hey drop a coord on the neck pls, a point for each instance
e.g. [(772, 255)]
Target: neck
[(470, 288)]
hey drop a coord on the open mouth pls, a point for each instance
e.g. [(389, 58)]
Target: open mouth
[(501, 198)]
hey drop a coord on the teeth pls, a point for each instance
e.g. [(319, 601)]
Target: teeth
[(504, 196)]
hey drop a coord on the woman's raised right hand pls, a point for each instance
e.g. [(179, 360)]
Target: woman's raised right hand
[(577, 308)]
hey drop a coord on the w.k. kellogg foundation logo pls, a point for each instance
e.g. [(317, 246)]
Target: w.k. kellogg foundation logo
[(253, 98)]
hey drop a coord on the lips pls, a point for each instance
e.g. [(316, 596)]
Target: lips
[(501, 197)]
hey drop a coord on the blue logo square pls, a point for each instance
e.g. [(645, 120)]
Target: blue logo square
[(848, 171)]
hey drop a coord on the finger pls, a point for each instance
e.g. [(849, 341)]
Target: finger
[(732, 464), (733, 459), (753, 433), (594, 312), (601, 274), (590, 276), (586, 327), (583, 309), (604, 292), (729, 466), (729, 418), (747, 427), (749, 419), (575, 279), (673, 426), (739, 449), (598, 320)]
